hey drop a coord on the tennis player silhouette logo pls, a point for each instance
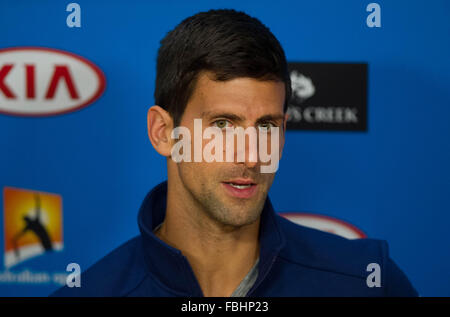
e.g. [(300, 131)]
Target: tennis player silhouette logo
[(32, 224), (36, 226)]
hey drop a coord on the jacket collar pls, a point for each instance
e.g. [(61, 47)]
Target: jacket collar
[(171, 268)]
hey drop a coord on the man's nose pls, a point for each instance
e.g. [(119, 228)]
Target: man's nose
[(250, 156)]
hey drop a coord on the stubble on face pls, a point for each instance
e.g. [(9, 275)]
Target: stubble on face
[(211, 198)]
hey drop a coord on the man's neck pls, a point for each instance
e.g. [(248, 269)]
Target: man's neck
[(220, 256)]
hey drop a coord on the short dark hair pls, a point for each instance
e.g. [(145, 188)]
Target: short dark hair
[(228, 43)]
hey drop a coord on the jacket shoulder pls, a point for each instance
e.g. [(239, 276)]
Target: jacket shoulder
[(325, 251), (116, 274)]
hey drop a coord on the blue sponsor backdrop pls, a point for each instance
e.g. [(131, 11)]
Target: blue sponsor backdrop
[(392, 181)]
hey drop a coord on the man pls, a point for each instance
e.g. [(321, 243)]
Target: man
[(210, 230)]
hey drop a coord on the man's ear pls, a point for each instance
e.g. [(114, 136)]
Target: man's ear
[(159, 128)]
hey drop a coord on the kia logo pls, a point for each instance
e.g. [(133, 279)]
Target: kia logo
[(36, 81)]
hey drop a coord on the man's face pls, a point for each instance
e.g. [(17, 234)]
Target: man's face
[(231, 193)]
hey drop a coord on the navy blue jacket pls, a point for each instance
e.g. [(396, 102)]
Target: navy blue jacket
[(294, 261)]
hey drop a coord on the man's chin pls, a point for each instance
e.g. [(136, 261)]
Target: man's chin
[(237, 223), (239, 216)]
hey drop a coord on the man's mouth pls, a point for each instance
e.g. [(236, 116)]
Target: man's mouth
[(240, 188)]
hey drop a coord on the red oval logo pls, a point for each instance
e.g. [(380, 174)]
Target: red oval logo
[(325, 223), (37, 81)]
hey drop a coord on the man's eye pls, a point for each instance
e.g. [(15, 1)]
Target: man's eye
[(222, 124), (266, 126)]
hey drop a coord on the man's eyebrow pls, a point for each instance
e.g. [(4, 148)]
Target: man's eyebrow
[(234, 117), (270, 117), (225, 115)]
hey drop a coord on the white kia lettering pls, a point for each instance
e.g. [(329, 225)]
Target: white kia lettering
[(38, 81)]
